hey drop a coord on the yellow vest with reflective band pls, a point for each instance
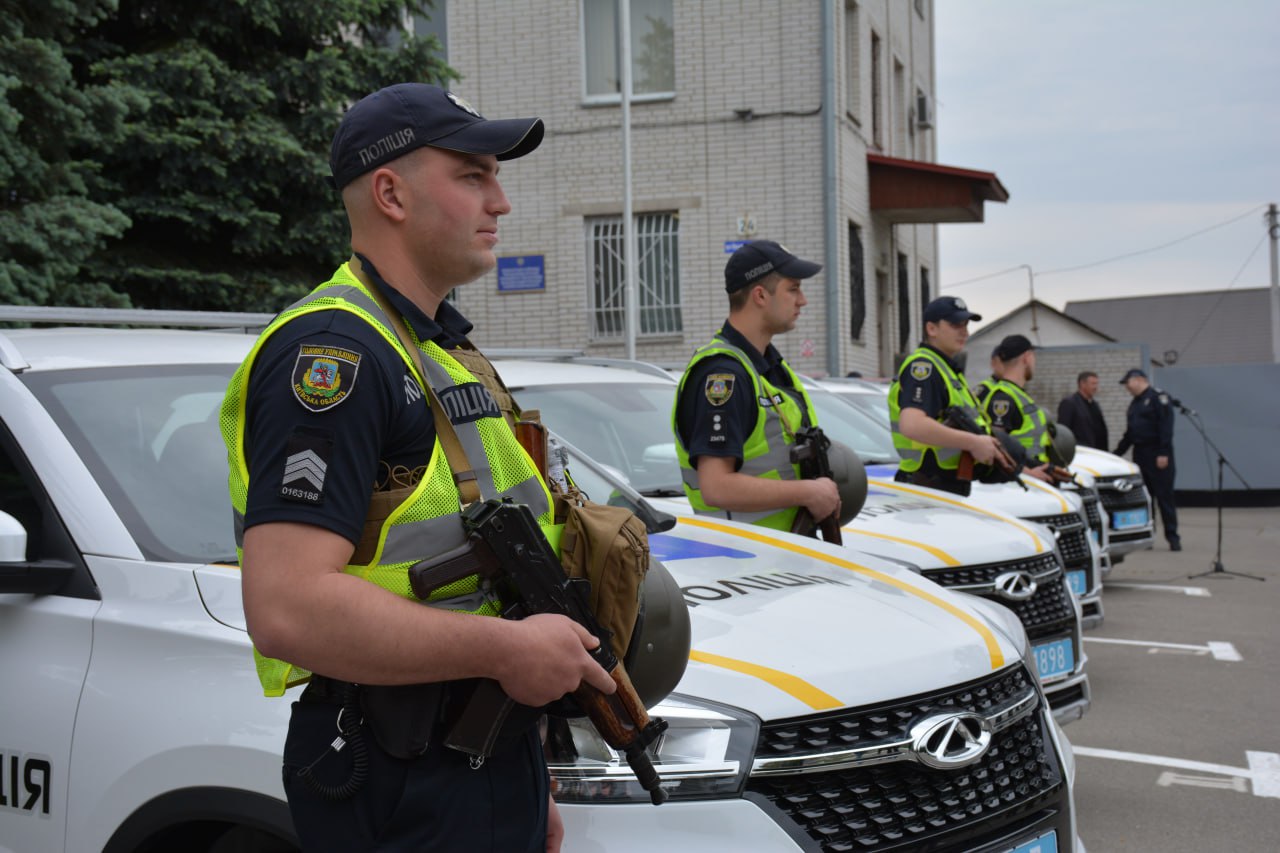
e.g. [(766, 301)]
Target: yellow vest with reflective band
[(426, 523), (958, 395), (1033, 434), (984, 389), (766, 453)]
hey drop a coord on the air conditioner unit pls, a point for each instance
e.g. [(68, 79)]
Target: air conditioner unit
[(924, 111)]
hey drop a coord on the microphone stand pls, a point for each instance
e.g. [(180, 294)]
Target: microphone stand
[(1217, 567)]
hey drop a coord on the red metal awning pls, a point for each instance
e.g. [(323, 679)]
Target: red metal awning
[(915, 191)]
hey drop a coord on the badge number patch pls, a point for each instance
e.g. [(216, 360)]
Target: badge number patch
[(306, 463), (921, 370), (719, 388), (324, 376)]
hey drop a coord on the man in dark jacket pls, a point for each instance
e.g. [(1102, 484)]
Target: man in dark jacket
[(1150, 434), (1080, 413)]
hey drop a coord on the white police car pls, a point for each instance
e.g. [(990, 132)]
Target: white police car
[(622, 418), (831, 702)]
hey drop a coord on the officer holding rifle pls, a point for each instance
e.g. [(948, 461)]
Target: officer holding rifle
[(939, 429)]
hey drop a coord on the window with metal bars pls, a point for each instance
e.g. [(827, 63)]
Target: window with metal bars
[(657, 275)]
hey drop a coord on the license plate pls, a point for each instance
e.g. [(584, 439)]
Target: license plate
[(1076, 581), (1094, 535), (1056, 658), (1047, 843), (1124, 519)]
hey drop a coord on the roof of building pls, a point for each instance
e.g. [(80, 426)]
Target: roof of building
[(1205, 327), (1019, 321)]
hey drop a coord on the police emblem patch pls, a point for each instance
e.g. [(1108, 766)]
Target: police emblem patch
[(921, 370), (461, 104), (324, 376), (1000, 407), (719, 388)]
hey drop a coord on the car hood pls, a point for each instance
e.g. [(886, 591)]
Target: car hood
[(785, 626), (1037, 500), (1101, 464)]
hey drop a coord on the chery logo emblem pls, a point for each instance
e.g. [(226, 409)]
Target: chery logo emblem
[(1121, 485), (1015, 586), (947, 741)]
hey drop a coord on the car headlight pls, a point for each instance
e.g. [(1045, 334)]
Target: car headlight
[(706, 752)]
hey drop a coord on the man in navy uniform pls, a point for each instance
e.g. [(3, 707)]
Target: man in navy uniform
[(1150, 434)]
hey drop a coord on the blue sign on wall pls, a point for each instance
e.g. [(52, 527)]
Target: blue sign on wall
[(521, 272), (731, 246)]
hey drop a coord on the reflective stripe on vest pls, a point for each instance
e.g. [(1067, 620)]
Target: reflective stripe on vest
[(426, 523), (1033, 434), (766, 452), (958, 395)]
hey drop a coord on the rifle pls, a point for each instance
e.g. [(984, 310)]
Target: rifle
[(1009, 456), (810, 453), (506, 546)]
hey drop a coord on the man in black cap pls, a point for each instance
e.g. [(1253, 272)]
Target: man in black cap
[(1009, 407), (340, 486), (928, 384), (1150, 432), (739, 404), (1081, 414)]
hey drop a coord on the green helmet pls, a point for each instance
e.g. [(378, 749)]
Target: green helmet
[(660, 644), (1062, 444), (851, 480)]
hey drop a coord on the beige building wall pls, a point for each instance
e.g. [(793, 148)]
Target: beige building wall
[(702, 154)]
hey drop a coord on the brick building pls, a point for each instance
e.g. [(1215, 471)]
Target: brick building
[(729, 140)]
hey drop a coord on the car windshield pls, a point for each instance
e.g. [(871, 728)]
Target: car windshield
[(628, 427), (875, 405), (150, 437)]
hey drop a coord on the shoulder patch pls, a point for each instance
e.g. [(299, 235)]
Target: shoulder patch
[(1000, 407), (1164, 399), (719, 388), (324, 376), (921, 369)]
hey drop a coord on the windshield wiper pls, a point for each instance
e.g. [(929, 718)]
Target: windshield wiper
[(662, 492)]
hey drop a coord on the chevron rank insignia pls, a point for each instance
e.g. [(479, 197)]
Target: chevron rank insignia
[(719, 388), (306, 462), (324, 376), (921, 370)]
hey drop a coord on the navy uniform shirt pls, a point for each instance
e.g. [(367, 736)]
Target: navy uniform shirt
[(925, 389), (331, 408), (718, 408), (1150, 423)]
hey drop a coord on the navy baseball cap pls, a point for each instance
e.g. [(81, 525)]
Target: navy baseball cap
[(949, 308), (756, 259), (1012, 347), (398, 119), (1133, 371)]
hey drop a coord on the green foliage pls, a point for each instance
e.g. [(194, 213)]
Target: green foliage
[(187, 142)]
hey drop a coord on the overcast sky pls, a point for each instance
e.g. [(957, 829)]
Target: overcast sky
[(1117, 126)]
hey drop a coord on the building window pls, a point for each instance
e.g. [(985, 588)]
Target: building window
[(653, 66), (657, 275), (852, 60), (877, 97), (857, 284), (925, 298), (904, 304)]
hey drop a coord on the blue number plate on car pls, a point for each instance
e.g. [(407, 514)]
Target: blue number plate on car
[(1056, 658), (1047, 843), (1127, 518), (1076, 581)]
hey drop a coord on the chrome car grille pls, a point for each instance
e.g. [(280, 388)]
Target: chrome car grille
[(1048, 611), (984, 575), (891, 800)]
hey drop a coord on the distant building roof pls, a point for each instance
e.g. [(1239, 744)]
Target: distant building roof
[(1043, 324), (1187, 329)]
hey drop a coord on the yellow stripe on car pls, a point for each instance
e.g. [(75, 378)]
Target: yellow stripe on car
[(1047, 489), (937, 552), (988, 638), (1039, 543), (799, 688)]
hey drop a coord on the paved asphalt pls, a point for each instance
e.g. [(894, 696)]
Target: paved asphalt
[(1162, 757)]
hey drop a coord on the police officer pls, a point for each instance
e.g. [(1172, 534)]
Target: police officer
[(1009, 407), (339, 485), (1150, 432), (739, 404), (928, 383)]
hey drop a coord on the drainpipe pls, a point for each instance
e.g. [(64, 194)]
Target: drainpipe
[(830, 197)]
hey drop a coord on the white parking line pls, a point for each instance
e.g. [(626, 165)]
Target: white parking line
[(1219, 650), (1263, 771), (1197, 591)]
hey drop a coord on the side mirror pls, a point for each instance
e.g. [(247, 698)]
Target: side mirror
[(13, 540)]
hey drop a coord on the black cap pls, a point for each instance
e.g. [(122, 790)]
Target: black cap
[(754, 260), (398, 119), (1133, 371), (949, 308), (1012, 347)]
